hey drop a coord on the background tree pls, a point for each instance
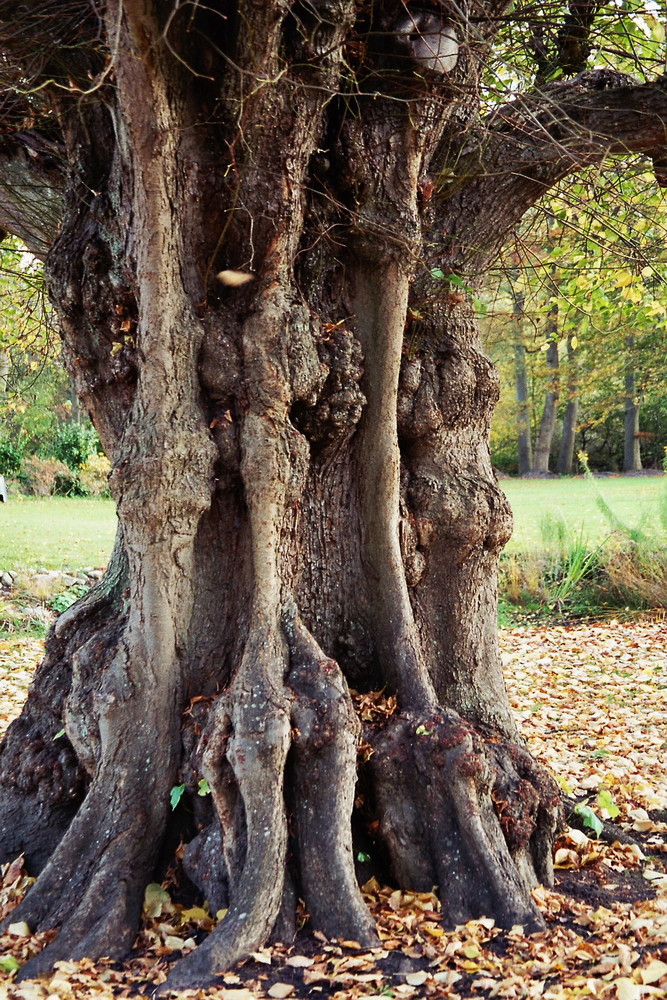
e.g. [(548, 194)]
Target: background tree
[(594, 256), (261, 223)]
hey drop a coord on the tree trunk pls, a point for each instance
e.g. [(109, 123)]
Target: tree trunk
[(524, 437), (307, 507), (570, 417), (547, 426), (632, 459)]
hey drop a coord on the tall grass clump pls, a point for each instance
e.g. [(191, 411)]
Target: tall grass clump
[(634, 562), (551, 576), (567, 572), (633, 566)]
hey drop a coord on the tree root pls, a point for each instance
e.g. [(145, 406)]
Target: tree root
[(94, 882), (323, 773), (255, 722), (43, 779), (434, 788)]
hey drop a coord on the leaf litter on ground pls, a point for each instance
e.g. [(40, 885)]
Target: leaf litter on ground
[(591, 701)]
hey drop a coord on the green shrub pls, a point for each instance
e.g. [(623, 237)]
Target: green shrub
[(74, 443), (11, 457), (68, 484)]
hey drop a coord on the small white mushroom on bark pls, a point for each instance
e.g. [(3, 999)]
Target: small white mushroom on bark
[(429, 41)]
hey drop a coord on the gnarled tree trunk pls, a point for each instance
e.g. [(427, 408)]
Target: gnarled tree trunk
[(258, 274)]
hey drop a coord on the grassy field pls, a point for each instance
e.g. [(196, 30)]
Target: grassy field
[(634, 500), (55, 533), (62, 533)]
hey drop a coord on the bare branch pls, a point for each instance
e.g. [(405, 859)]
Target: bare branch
[(32, 184), (532, 143)]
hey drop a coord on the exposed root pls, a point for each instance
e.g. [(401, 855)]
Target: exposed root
[(43, 780), (323, 779), (93, 884), (433, 787), (529, 805), (254, 717)]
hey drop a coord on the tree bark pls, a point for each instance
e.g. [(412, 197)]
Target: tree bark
[(264, 300), (547, 426)]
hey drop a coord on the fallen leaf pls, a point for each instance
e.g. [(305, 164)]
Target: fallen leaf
[(654, 971), (280, 990), (416, 978), (19, 929), (627, 989), (299, 961)]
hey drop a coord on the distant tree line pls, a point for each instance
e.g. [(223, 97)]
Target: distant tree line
[(574, 319)]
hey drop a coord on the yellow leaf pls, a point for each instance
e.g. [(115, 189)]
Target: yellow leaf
[(471, 951), (235, 278), (61, 987), (433, 930), (654, 971), (194, 913), (623, 278), (627, 989), (299, 961), (19, 929), (174, 943), (155, 900), (263, 956)]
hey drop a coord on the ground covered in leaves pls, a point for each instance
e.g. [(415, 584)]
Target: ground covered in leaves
[(592, 700)]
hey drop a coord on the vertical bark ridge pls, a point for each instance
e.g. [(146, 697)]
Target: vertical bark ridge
[(323, 770), (433, 782), (162, 482), (380, 305)]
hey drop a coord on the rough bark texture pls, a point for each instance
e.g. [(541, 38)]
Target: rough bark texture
[(253, 275)]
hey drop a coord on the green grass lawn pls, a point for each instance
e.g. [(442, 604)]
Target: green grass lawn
[(63, 533), (634, 500), (55, 532)]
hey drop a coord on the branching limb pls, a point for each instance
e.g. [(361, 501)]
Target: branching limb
[(32, 184), (529, 145)]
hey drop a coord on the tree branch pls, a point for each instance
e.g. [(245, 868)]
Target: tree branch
[(532, 143), (32, 184)]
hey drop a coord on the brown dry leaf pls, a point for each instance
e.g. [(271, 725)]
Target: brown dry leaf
[(592, 701)]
